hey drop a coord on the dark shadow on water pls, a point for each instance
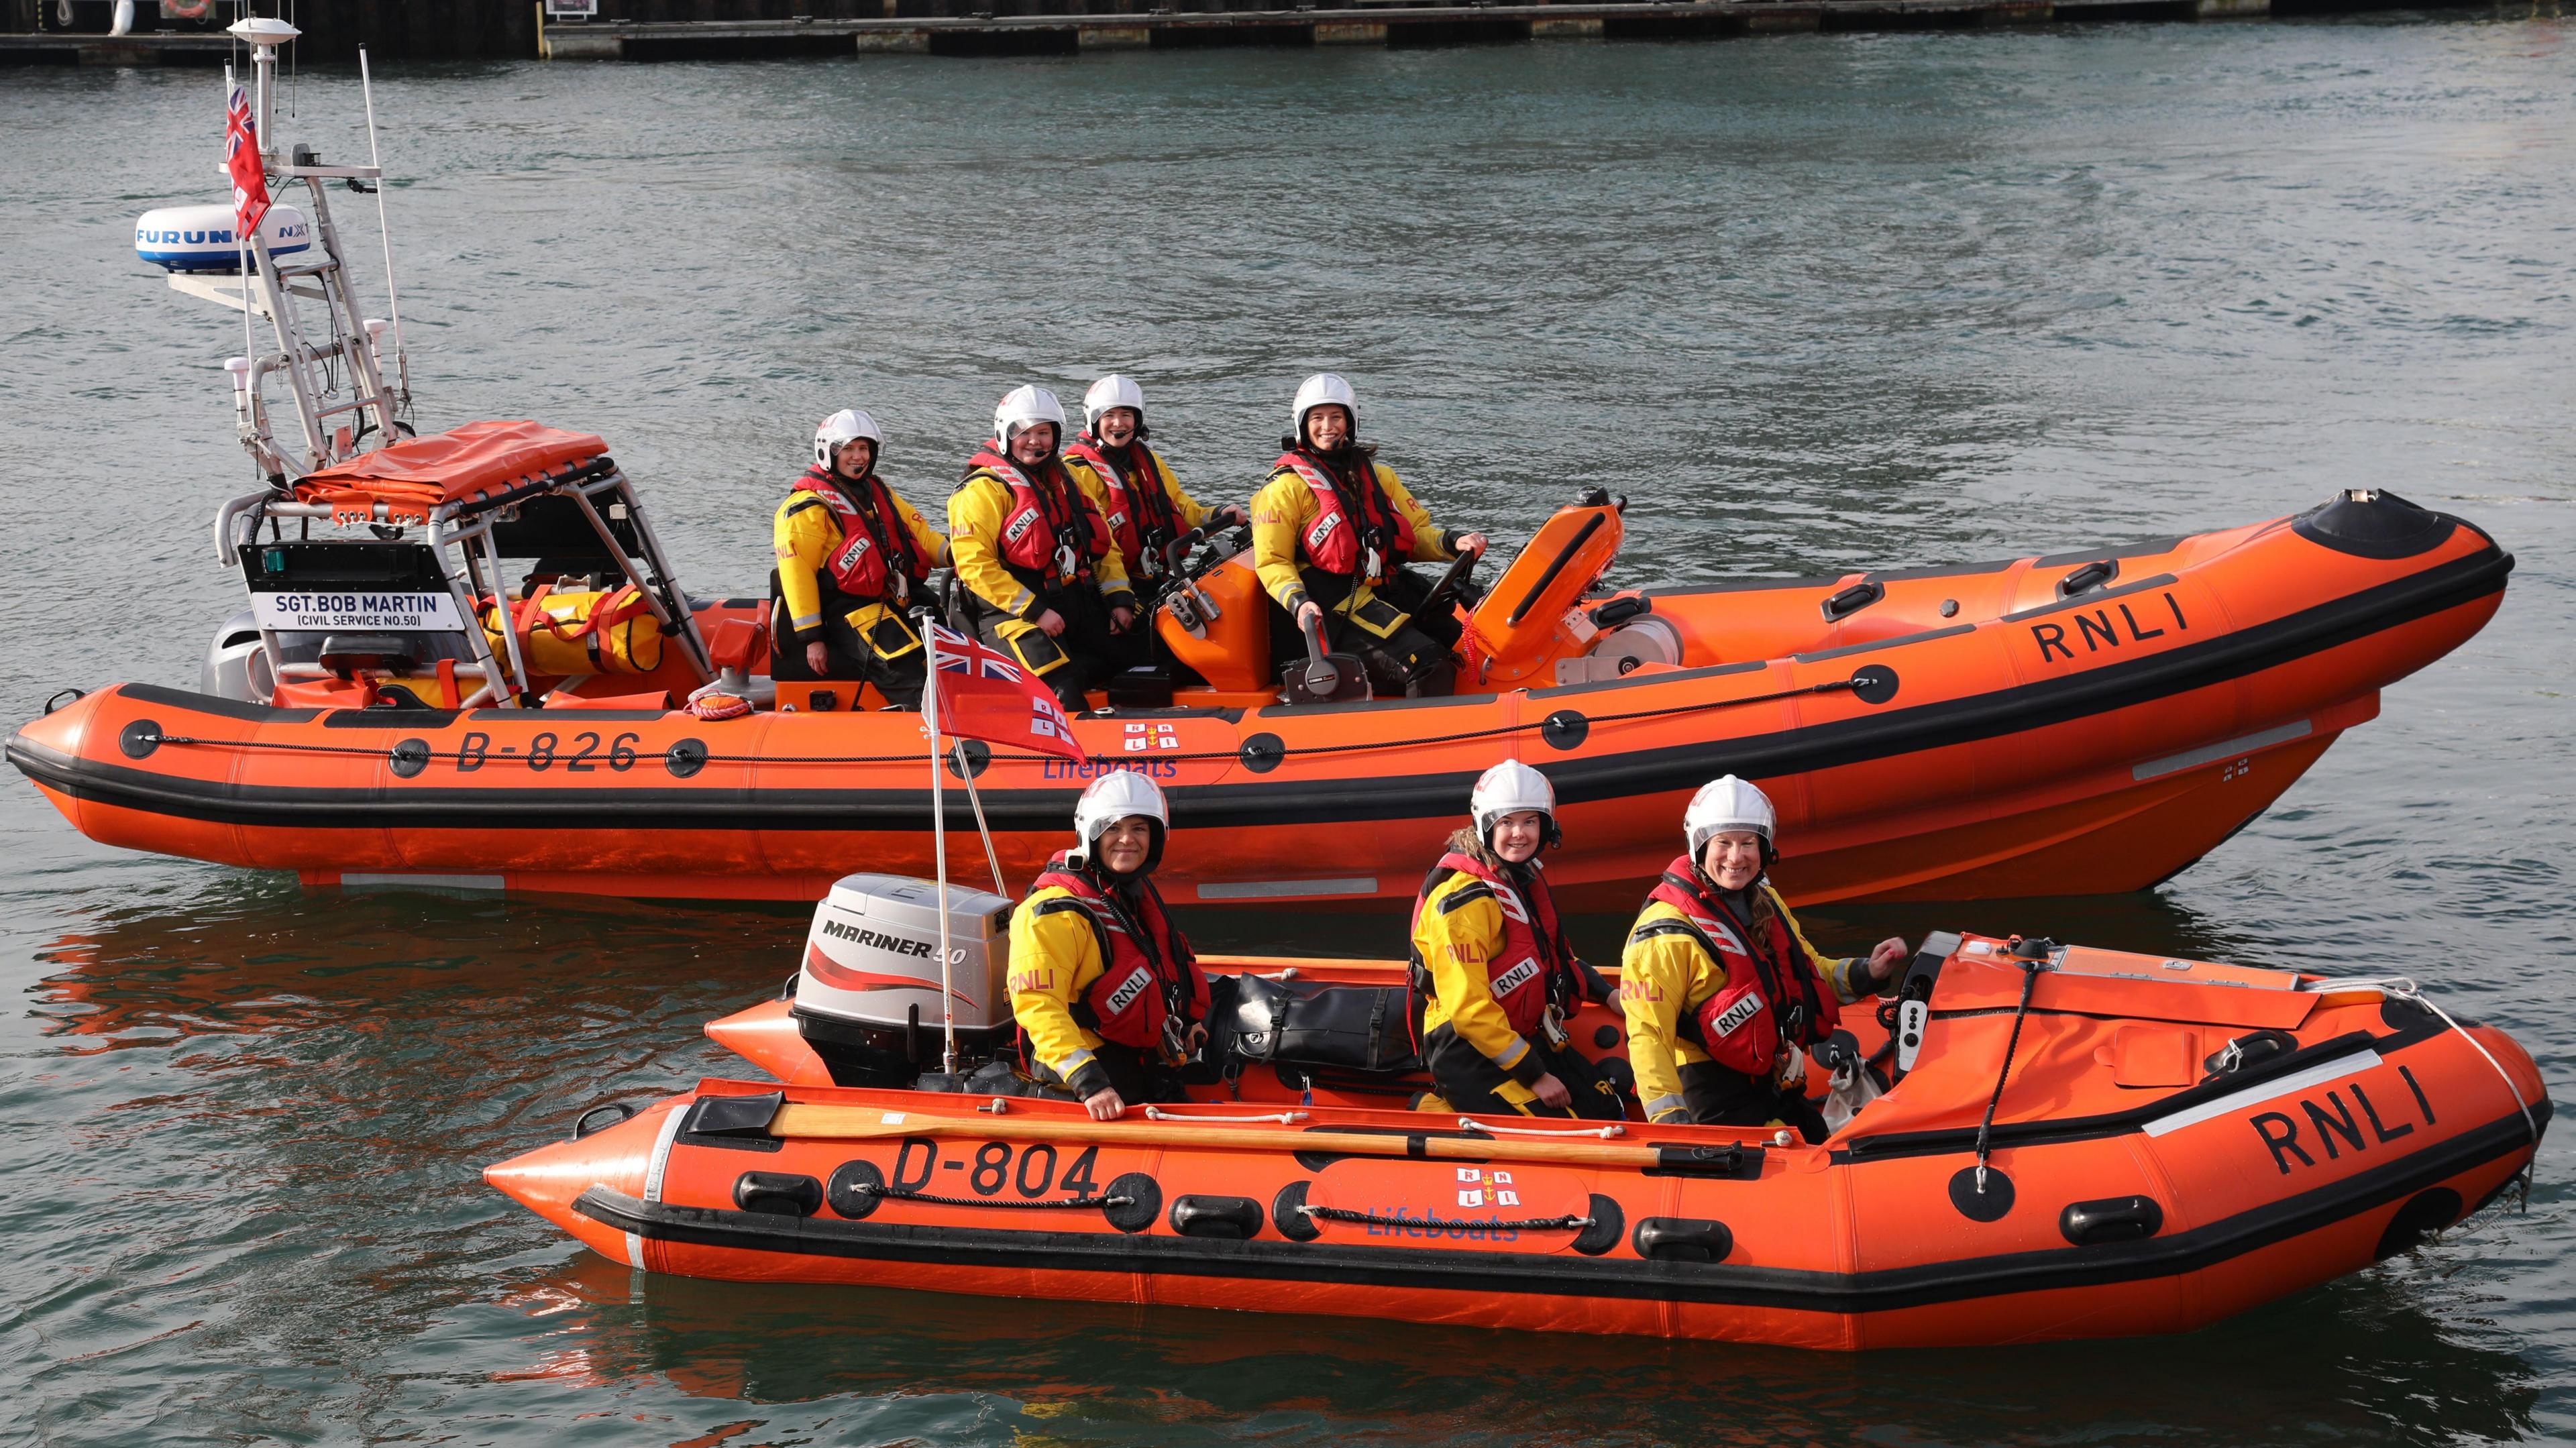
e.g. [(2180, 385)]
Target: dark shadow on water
[(2353, 1362)]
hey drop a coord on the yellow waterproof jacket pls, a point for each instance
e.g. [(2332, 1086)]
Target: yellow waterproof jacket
[(1665, 976), (1280, 513), (804, 536), (975, 514), (1055, 956), (1184, 507), (1456, 935)]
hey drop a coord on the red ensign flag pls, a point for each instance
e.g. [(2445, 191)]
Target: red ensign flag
[(241, 158), (983, 695)]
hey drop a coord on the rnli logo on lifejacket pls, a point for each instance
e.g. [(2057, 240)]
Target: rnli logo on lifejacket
[(1738, 1013), (1019, 527), (1322, 530), (1118, 519), (1129, 990), (851, 554), (1516, 977)]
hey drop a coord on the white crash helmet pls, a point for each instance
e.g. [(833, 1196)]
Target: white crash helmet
[(841, 427), (1318, 390), (1117, 795), (1022, 406), (1728, 803), (1115, 390), (1508, 789)]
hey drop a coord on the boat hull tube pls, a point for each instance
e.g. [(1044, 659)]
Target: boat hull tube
[(2087, 722), (2175, 1142)]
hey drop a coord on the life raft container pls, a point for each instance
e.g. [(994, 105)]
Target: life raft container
[(2089, 1144), (2081, 723)]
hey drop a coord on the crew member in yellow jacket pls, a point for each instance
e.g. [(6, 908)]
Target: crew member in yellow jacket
[(1039, 572), (1147, 507), (1722, 992), (1108, 995), (852, 557), (1332, 529), (1493, 977)]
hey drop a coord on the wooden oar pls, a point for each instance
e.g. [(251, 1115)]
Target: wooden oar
[(860, 1123)]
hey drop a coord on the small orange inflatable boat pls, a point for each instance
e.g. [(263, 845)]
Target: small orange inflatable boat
[(2086, 1144), (2084, 722)]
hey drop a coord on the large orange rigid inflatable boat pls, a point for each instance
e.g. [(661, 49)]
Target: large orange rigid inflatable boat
[(2084, 722), (2163, 1143)]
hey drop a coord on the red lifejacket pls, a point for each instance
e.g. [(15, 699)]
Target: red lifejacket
[(1049, 520), (1337, 542), (1743, 1025), (875, 550), (1141, 515), (1533, 969), (1148, 974)]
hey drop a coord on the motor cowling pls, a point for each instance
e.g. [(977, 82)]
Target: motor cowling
[(868, 990)]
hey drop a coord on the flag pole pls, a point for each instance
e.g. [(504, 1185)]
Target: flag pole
[(939, 847), (992, 861)]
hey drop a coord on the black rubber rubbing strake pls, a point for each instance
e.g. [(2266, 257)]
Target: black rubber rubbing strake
[(1133, 1202)]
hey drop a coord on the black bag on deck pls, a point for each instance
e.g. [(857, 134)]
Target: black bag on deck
[(1366, 1028)]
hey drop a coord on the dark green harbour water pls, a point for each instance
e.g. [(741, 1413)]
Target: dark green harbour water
[(1815, 304)]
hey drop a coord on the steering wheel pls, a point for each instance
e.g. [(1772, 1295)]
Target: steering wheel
[(1458, 569)]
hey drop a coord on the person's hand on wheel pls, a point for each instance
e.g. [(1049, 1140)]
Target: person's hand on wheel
[(1121, 619), (1472, 543), (1051, 623), (818, 658), (1105, 1105), (1551, 1092)]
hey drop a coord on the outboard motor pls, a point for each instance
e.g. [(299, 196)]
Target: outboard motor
[(867, 994)]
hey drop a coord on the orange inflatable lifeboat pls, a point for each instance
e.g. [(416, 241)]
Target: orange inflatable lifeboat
[(2075, 1143), (486, 698)]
